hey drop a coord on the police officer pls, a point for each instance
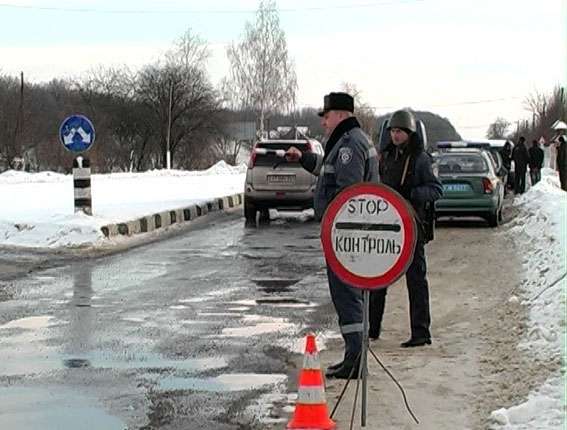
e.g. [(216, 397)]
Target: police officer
[(349, 158), (407, 168)]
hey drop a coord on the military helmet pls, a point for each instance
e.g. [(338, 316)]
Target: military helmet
[(403, 119)]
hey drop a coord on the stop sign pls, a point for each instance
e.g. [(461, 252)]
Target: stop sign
[(368, 233)]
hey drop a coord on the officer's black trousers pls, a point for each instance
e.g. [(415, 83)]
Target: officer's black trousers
[(418, 292), (348, 304), (520, 181)]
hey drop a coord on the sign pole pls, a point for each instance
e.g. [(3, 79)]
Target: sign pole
[(77, 135), (364, 357)]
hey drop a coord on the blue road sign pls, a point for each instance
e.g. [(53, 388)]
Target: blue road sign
[(77, 133)]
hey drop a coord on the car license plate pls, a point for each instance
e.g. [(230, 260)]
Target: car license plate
[(281, 179), (456, 188)]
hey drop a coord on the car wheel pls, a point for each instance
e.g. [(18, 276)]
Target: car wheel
[(249, 212), (264, 216), (493, 219)]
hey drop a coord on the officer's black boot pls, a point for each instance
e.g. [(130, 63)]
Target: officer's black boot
[(416, 341), (348, 370)]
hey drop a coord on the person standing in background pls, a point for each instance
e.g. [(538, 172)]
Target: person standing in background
[(536, 162), (506, 154), (521, 158), (561, 162)]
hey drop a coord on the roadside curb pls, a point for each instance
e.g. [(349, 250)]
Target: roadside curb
[(167, 218)]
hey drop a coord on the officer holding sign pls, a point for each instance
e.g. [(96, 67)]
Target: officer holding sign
[(407, 168), (349, 158)]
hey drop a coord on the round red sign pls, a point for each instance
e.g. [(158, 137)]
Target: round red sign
[(368, 234)]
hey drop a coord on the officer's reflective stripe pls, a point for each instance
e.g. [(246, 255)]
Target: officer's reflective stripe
[(81, 172), (318, 165), (82, 193), (311, 395), (311, 362), (329, 168), (351, 328)]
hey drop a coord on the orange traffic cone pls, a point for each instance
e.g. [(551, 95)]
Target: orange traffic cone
[(311, 411)]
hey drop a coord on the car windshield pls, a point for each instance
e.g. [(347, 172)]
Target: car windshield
[(462, 163)]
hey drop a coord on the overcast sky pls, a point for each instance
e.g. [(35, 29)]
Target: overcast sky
[(467, 60)]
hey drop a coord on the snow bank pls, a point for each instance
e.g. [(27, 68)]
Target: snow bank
[(539, 231)]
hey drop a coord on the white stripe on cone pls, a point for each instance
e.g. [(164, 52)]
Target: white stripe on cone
[(311, 362), (313, 395)]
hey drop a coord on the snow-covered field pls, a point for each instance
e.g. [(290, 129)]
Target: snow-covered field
[(37, 209)]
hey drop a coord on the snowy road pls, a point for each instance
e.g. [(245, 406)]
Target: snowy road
[(196, 332), (184, 333)]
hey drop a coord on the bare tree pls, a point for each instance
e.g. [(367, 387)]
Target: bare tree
[(363, 111), (262, 74), (181, 98), (498, 129)]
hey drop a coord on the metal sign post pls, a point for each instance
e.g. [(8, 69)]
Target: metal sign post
[(77, 135), (368, 235)]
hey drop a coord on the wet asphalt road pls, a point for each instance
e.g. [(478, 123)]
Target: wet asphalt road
[(193, 332)]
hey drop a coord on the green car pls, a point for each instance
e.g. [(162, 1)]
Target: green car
[(471, 185)]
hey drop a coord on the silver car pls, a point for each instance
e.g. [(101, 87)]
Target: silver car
[(272, 182)]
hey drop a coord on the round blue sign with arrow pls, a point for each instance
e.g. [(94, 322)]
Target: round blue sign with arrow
[(77, 133)]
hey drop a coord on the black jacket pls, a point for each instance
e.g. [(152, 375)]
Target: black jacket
[(349, 158), (520, 156), (506, 153), (536, 157), (420, 186)]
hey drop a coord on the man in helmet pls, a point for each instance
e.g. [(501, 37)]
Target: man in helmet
[(349, 158), (407, 168)]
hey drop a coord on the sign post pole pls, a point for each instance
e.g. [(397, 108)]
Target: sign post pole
[(77, 135), (364, 357)]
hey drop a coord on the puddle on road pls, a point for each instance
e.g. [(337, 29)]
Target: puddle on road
[(258, 329), (239, 309), (26, 349), (29, 323), (219, 314), (222, 383), (210, 295), (57, 408), (285, 302), (272, 286), (288, 302), (26, 358)]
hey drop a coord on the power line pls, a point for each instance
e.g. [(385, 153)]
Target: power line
[(463, 103), (204, 11)]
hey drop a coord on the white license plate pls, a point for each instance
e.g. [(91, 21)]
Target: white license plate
[(456, 188), (281, 179)]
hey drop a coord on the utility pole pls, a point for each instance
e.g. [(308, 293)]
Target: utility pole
[(16, 142), (168, 152), (562, 98)]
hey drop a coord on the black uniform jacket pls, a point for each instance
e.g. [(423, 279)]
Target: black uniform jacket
[(418, 185)]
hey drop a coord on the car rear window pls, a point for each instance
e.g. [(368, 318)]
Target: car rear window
[(461, 163), (271, 158)]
